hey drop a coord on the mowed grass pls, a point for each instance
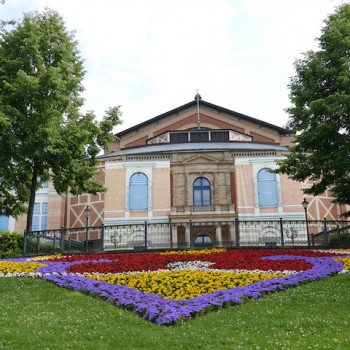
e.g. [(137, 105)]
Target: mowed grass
[(35, 314)]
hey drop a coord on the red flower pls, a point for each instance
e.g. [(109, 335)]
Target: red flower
[(230, 260)]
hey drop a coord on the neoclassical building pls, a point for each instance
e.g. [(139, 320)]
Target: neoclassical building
[(198, 162)]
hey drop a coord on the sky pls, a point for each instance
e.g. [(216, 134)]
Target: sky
[(151, 56)]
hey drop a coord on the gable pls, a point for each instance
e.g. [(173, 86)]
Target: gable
[(198, 159), (209, 117), (206, 121)]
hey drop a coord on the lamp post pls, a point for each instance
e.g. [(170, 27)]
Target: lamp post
[(305, 204), (87, 215)]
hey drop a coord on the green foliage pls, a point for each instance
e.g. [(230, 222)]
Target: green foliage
[(320, 112), (340, 241), (43, 135), (11, 244)]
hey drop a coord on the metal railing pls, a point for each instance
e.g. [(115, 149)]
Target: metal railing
[(189, 234)]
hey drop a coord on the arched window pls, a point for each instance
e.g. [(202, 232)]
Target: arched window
[(267, 188), (203, 241), (138, 192), (201, 191)]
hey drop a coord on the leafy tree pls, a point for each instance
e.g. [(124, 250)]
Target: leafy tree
[(320, 112), (43, 135)]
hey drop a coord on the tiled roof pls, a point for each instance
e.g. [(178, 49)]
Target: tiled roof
[(168, 148)]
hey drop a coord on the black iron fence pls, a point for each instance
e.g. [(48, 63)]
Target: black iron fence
[(190, 234)]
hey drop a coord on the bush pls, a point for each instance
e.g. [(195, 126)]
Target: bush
[(11, 244), (341, 241)]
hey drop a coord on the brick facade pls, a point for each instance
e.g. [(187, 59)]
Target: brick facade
[(231, 167)]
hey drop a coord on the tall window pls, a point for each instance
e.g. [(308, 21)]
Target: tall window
[(39, 217), (201, 191), (138, 192), (267, 188), (4, 223)]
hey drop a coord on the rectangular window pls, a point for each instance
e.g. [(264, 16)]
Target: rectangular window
[(219, 136), (138, 197), (36, 208), (206, 197), (197, 198), (36, 223), (43, 222), (40, 216), (199, 136), (267, 188), (44, 208), (4, 223), (178, 137)]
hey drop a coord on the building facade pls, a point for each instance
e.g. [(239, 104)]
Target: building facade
[(198, 162)]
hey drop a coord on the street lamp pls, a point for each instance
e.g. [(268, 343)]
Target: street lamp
[(87, 211), (305, 204)]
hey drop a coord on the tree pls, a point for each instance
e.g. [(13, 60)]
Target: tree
[(43, 135), (320, 112)]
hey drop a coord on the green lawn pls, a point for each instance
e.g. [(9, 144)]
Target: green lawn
[(38, 315)]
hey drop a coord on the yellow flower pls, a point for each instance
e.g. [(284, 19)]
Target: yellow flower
[(184, 284), (9, 267), (346, 262)]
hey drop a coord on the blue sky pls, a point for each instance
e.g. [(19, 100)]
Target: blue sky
[(152, 56)]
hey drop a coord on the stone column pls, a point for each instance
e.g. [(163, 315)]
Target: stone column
[(187, 235), (173, 230), (187, 190), (232, 237), (218, 237)]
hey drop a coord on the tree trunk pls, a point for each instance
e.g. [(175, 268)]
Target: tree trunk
[(32, 200)]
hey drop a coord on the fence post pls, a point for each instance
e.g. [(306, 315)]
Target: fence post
[(54, 243), (37, 244), (102, 237), (282, 234), (146, 234), (340, 244), (325, 233), (62, 240), (87, 238), (237, 232), (25, 242)]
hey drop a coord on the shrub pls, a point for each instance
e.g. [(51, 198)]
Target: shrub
[(11, 244), (342, 241)]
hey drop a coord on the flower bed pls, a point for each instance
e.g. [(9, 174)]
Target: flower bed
[(167, 288)]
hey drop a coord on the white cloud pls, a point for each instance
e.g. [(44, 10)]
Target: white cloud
[(151, 56)]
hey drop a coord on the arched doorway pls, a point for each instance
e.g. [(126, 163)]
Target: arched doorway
[(203, 241)]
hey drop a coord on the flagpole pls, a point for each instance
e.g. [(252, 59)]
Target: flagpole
[(198, 97)]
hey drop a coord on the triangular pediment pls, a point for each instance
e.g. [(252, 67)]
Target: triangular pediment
[(200, 158), (206, 116), (231, 117)]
